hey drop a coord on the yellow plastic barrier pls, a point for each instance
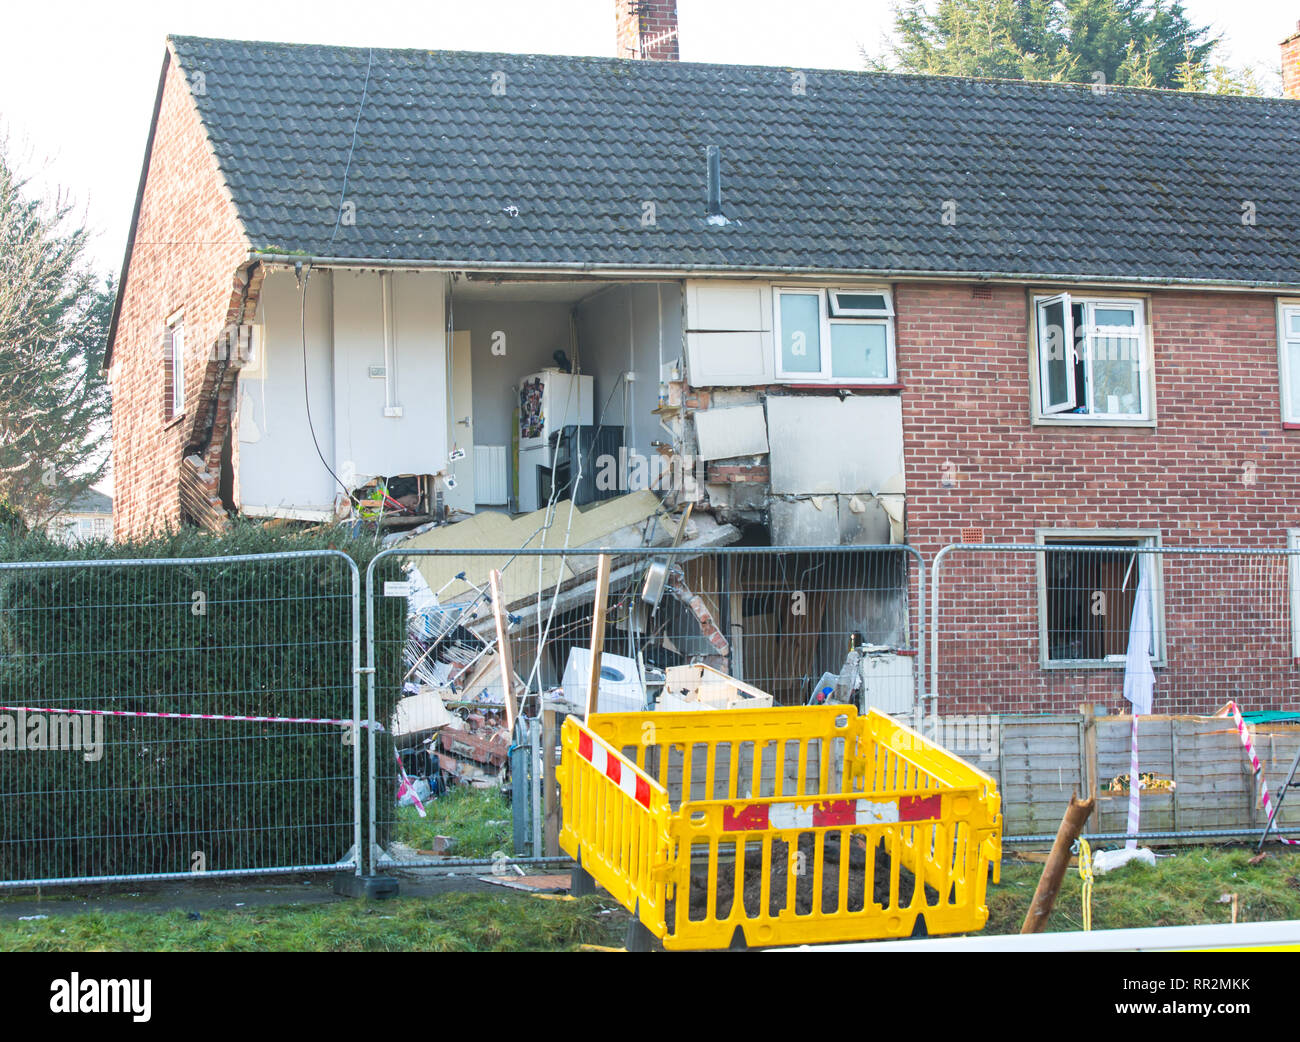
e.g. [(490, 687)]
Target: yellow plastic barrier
[(778, 826), (614, 822)]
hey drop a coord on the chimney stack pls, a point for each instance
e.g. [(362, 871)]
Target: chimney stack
[(1291, 65), (647, 29)]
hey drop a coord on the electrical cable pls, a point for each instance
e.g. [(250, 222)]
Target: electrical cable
[(304, 277), (306, 395)]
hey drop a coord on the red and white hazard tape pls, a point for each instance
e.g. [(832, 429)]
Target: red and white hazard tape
[(195, 716), (1134, 790), (759, 817), (405, 785), (1264, 797), (613, 768)]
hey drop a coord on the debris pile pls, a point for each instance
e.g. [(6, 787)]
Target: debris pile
[(475, 750)]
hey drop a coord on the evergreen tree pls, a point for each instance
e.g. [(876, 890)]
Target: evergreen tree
[(54, 316), (1140, 43)]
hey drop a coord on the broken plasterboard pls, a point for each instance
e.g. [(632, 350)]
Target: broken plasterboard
[(419, 712), (858, 520), (493, 530), (713, 689), (727, 433), (823, 445)]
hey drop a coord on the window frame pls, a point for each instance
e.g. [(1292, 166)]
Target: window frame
[(1140, 305), (1285, 307), (830, 315), (174, 403), (1093, 537)]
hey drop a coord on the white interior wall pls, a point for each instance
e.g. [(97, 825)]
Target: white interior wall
[(367, 442), (532, 333), (279, 471), (622, 329), (277, 466)]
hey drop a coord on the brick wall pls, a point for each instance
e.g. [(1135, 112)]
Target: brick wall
[(1218, 469), (1291, 65), (187, 254), (646, 29)]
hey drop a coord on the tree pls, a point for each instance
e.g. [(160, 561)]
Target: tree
[(54, 316), (1141, 43)]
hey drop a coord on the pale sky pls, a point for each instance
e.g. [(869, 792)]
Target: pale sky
[(77, 78)]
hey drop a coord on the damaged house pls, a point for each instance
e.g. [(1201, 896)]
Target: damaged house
[(821, 307)]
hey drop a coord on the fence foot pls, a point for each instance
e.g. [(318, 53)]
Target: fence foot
[(638, 939), (581, 884), (377, 888)]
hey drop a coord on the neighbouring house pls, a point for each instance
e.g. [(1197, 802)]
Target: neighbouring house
[(88, 516), (846, 308)]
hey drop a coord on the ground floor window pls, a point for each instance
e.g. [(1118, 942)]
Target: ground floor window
[(1087, 596)]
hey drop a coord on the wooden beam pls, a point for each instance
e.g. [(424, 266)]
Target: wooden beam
[(597, 632), (503, 649), (1076, 816)]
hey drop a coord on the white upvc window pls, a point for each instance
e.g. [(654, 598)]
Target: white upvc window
[(1288, 347), (1093, 361), (175, 366), (834, 336)]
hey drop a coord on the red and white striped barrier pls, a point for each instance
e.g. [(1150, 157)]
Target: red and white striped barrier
[(613, 768), (194, 716), (1249, 746), (759, 817)]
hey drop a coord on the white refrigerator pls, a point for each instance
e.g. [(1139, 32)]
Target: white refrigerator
[(549, 401)]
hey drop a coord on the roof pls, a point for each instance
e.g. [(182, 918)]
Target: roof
[(89, 502), (1044, 180)]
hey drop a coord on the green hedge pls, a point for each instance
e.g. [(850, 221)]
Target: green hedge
[(264, 637)]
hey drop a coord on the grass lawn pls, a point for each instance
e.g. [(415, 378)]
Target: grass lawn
[(1180, 890), (456, 922), (478, 819)]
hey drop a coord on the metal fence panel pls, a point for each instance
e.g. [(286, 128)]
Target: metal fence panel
[(698, 628), (176, 717), (1035, 628), (1022, 637)]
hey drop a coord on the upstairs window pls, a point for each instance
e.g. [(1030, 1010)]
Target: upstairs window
[(1093, 361), (174, 381), (835, 336), (1288, 342)]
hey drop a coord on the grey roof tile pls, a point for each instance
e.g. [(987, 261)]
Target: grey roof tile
[(1048, 179)]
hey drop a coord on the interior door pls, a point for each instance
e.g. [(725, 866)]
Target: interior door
[(460, 424)]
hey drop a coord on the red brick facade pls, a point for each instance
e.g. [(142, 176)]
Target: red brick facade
[(187, 256), (1217, 469)]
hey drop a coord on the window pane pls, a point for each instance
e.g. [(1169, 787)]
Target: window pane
[(859, 302), (1293, 322), (178, 370), (859, 351), (1293, 378), (1053, 356), (1103, 316), (1089, 605), (1117, 375), (801, 325)]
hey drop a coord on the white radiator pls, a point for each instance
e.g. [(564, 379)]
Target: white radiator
[(491, 484)]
